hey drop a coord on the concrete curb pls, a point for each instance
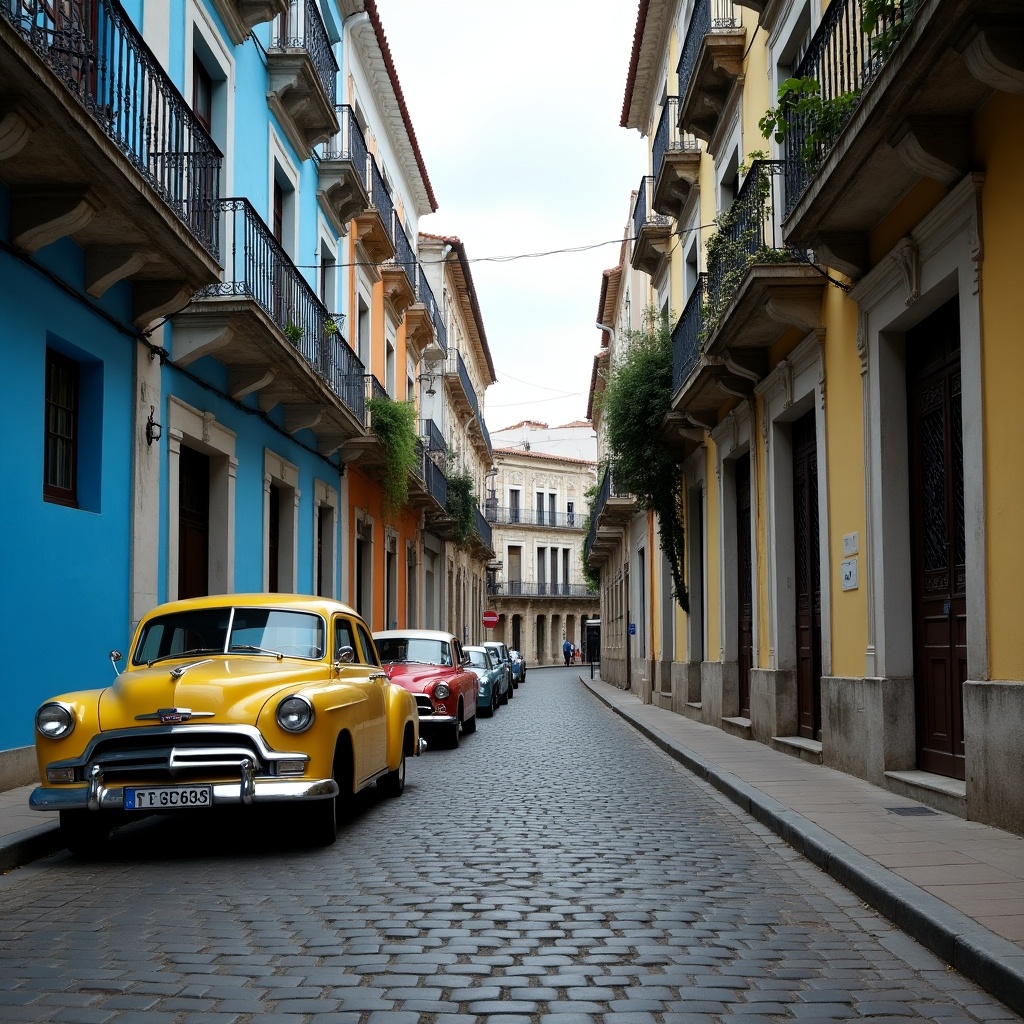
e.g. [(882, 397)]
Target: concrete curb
[(989, 960), (30, 845)]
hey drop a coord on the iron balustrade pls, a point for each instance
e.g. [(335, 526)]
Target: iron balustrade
[(431, 434), (256, 267), (425, 294), (303, 28), (751, 232), (437, 483), (643, 209), (349, 144), (517, 588), (98, 54), (600, 499), (668, 138), (376, 389), (456, 366), (404, 256), (486, 434), (382, 201), (686, 335), (843, 60), (708, 16), (482, 527), (506, 514)]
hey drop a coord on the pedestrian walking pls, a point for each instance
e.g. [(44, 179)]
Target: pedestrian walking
[(567, 651)]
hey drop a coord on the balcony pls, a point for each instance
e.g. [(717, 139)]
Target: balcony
[(240, 17), (610, 514), (399, 273), (481, 542), (464, 398), (302, 77), (375, 226), (265, 324), (758, 288), (516, 516), (676, 162), (424, 329), (652, 232), (342, 168), (97, 144), (710, 65), (433, 439), (895, 107), (514, 588)]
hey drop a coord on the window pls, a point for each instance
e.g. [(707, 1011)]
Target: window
[(570, 513), (60, 463), (202, 94), (513, 505)]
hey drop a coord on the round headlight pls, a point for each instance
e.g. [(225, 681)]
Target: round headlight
[(441, 691), (295, 714), (54, 721)]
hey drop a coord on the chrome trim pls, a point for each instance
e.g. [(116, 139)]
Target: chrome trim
[(248, 786), (438, 719), (49, 798), (177, 673), (96, 790), (423, 745)]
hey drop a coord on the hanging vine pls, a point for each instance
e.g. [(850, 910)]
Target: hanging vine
[(461, 505), (635, 403), (592, 577), (394, 423)]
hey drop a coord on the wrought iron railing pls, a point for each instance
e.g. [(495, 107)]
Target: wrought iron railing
[(516, 588), (605, 489), (98, 54), (668, 138), (456, 366), (349, 144), (425, 294), (511, 514), (437, 484), (432, 436), (643, 209), (482, 527), (486, 435), (842, 59), (375, 389), (708, 16), (747, 233), (381, 199), (687, 334), (256, 267), (405, 258), (302, 28)]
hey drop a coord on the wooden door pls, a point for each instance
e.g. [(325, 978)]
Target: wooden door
[(938, 547), (274, 539), (807, 577), (745, 583), (193, 523)]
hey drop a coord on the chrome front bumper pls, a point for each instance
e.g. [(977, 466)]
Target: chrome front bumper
[(249, 789)]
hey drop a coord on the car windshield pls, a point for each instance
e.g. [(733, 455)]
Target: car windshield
[(269, 631), (418, 649), (478, 659)]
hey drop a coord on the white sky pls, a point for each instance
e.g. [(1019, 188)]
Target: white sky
[(516, 109)]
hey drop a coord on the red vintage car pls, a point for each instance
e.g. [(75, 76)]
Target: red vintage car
[(431, 665)]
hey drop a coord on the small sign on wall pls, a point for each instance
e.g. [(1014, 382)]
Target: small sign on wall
[(849, 571)]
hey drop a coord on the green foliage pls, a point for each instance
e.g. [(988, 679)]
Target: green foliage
[(885, 21), (394, 423), (637, 399), (293, 332), (821, 120), (591, 577), (461, 505)]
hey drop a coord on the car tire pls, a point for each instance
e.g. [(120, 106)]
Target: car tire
[(84, 833), (469, 725), (393, 784), (489, 710), (452, 735), (321, 822)]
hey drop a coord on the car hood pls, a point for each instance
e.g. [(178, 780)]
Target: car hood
[(417, 677), (222, 689)]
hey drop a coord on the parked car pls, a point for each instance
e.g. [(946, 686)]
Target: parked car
[(236, 699), (518, 664), (502, 652), (493, 690), (431, 665)]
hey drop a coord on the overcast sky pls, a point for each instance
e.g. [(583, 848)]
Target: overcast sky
[(516, 108)]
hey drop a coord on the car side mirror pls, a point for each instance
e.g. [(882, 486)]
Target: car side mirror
[(346, 655), (115, 656)]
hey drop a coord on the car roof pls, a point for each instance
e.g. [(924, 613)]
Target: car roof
[(413, 634), (298, 602)]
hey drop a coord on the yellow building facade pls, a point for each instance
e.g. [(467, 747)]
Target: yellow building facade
[(844, 351)]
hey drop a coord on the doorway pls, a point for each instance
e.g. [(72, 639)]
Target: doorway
[(745, 588), (193, 523)]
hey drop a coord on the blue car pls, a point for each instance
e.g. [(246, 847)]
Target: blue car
[(493, 681), (518, 667)]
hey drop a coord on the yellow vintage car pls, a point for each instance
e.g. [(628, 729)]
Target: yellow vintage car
[(235, 699)]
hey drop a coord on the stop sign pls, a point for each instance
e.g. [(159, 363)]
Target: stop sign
[(490, 619)]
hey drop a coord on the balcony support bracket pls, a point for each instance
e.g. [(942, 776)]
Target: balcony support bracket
[(994, 54), (16, 129), (105, 265), (935, 147), (41, 216), (154, 299), (847, 253), (302, 417), (244, 380)]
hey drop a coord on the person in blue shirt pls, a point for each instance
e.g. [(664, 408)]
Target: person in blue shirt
[(567, 651)]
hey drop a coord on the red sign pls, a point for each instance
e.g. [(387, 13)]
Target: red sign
[(490, 619)]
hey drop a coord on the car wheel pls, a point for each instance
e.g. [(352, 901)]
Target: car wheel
[(503, 699), (321, 824), (469, 725), (453, 735), (393, 784), (489, 710), (84, 833)]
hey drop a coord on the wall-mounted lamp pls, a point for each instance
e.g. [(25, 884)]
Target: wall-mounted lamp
[(429, 378), (153, 429)]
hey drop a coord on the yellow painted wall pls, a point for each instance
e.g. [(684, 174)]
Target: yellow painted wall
[(844, 446), (713, 546), (999, 149)]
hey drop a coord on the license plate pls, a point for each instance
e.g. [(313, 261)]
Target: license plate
[(167, 798)]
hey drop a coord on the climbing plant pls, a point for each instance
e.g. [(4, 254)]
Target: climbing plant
[(461, 504), (635, 402), (591, 577), (394, 423)]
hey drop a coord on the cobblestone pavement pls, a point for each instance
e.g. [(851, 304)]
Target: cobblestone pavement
[(557, 867)]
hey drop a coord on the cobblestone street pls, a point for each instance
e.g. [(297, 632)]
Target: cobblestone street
[(555, 867)]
